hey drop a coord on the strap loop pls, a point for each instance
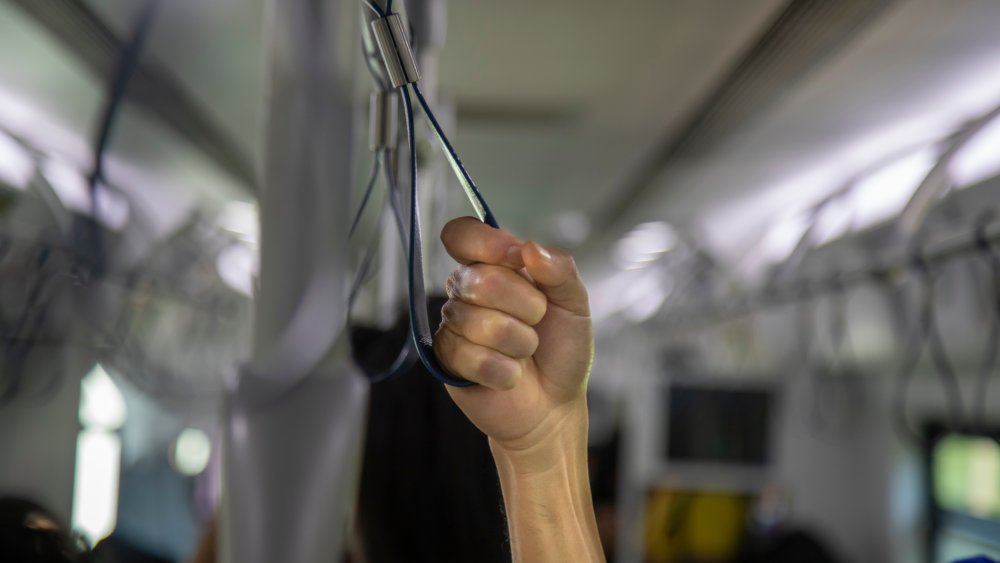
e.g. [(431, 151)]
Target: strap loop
[(394, 45)]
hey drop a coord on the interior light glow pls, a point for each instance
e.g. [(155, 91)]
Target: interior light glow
[(979, 159), (101, 403), (644, 298), (95, 487), (73, 190), (192, 451), (571, 227), (241, 218), (237, 266), (113, 207), (68, 183), (98, 456), (604, 294), (974, 90), (984, 487), (36, 127), (635, 294), (781, 240), (17, 167), (884, 193), (644, 244), (834, 220)]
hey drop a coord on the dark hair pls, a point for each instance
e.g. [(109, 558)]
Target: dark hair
[(429, 488), (24, 539), (795, 546)]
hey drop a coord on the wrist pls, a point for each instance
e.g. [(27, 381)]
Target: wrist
[(546, 490), (559, 442)]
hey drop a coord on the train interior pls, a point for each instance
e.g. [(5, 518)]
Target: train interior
[(786, 213)]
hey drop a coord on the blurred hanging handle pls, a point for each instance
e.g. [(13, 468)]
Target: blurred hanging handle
[(938, 181), (991, 353)]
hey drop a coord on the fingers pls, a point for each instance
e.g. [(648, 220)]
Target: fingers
[(476, 363), (504, 288), (555, 274), (498, 288), (469, 240), (486, 327)]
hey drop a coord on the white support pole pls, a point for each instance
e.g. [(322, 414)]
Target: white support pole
[(295, 419)]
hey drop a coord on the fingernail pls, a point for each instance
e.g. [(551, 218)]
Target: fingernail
[(545, 254), (514, 256)]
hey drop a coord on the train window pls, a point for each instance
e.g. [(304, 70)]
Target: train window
[(965, 495), (728, 426)]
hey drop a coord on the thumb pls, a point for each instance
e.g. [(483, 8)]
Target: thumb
[(554, 272)]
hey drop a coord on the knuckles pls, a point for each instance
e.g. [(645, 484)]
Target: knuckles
[(497, 372), (450, 313), (490, 328), (506, 333), (453, 285), (483, 366), (500, 330), (500, 288)]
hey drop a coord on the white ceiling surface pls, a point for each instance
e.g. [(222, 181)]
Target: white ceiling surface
[(621, 74), (919, 71), (212, 48), (50, 97), (625, 72)]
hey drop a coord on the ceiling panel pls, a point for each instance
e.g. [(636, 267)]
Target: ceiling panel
[(626, 71), (212, 48), (918, 72), (53, 100)]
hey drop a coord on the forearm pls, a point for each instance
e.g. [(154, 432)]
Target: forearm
[(546, 493)]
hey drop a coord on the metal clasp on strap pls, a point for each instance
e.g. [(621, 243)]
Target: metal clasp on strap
[(394, 45), (383, 122)]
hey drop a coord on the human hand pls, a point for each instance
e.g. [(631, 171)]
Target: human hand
[(517, 322)]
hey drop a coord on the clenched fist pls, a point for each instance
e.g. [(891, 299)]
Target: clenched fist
[(517, 322)]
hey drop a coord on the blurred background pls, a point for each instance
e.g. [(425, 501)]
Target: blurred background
[(785, 211)]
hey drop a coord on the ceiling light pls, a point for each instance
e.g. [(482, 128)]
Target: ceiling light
[(833, 221), (241, 218), (192, 452), (17, 167), (782, 239), (644, 297), (73, 190), (884, 193), (68, 183), (571, 228), (95, 485), (979, 159), (237, 266), (101, 403), (644, 244), (635, 294)]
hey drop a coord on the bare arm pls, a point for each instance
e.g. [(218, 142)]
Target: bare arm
[(518, 323), (549, 511)]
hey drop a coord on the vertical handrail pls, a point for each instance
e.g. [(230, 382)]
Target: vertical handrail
[(294, 419)]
